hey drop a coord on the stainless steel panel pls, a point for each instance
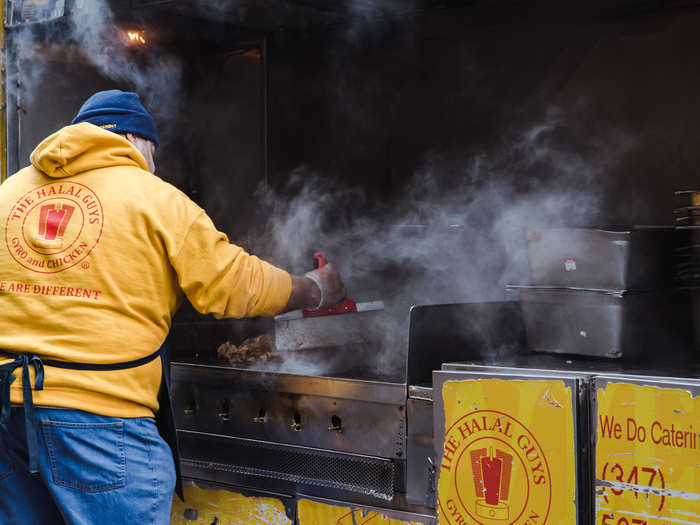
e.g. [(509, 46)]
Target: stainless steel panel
[(209, 401), (455, 332), (420, 392), (666, 366), (365, 328), (513, 370), (420, 462)]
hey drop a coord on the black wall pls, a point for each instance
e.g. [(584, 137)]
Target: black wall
[(370, 102), (459, 83)]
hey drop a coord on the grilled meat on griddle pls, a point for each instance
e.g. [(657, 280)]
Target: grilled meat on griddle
[(258, 349)]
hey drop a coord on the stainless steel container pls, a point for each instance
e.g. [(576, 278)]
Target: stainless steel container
[(605, 324), (610, 258)]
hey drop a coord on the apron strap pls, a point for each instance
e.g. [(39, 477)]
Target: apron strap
[(30, 420), (165, 417), (104, 367), (165, 420)]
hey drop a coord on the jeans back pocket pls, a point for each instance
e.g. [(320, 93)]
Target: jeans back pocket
[(86, 456)]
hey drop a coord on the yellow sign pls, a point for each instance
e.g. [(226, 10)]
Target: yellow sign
[(316, 513), (224, 507), (647, 456), (509, 454)]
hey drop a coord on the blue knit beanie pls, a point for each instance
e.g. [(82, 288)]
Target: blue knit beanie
[(120, 112)]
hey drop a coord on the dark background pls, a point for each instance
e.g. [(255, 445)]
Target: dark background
[(379, 95)]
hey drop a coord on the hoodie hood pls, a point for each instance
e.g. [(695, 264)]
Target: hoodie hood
[(83, 147)]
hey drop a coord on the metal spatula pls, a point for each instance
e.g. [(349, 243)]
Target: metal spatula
[(342, 324)]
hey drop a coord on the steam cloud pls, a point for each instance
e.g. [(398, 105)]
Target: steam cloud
[(455, 233), (157, 79), (96, 37), (369, 17)]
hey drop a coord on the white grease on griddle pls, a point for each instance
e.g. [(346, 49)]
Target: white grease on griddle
[(292, 364)]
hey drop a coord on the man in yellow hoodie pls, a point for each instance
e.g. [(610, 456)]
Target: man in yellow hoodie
[(97, 255)]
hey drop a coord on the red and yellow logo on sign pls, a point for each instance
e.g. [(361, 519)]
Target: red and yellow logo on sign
[(496, 466), (54, 227), (492, 480)]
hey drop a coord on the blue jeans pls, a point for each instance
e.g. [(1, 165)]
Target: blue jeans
[(92, 469)]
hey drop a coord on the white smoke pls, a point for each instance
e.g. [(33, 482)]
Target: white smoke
[(444, 239), (90, 33), (369, 18), (157, 78), (452, 234)]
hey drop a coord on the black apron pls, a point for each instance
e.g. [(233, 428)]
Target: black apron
[(165, 418)]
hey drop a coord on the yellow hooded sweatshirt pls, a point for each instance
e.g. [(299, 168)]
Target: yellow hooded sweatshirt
[(94, 259)]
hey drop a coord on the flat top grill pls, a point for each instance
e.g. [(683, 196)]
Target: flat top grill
[(337, 362), (195, 340), (377, 390)]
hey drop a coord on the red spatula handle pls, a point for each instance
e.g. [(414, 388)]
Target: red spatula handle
[(346, 306), (321, 258)]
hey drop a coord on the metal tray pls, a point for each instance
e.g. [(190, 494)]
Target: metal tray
[(619, 258), (606, 324)]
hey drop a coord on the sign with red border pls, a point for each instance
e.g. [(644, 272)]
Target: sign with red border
[(508, 454)]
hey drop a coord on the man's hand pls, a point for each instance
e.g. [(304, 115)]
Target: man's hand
[(320, 288), (329, 283)]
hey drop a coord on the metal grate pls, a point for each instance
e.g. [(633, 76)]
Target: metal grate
[(366, 475)]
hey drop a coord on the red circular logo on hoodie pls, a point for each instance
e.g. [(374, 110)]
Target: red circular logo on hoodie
[(54, 227)]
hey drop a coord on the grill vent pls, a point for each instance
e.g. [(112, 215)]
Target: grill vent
[(366, 475)]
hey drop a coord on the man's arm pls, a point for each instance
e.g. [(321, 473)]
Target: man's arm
[(222, 279), (324, 288)]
